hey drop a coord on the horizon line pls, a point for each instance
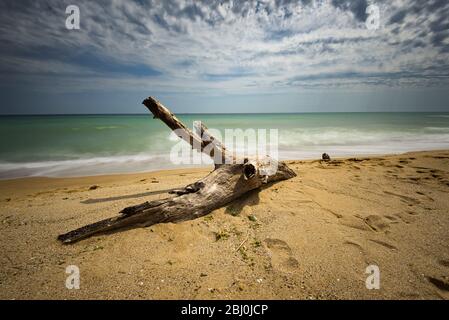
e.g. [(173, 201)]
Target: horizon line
[(204, 113)]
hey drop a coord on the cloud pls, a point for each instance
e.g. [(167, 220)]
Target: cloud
[(223, 47), (357, 7), (398, 17)]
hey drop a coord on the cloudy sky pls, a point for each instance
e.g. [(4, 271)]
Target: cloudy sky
[(224, 56)]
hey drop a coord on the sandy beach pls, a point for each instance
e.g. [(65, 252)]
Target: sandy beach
[(310, 237)]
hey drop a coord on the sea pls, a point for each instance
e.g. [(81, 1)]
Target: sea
[(83, 145)]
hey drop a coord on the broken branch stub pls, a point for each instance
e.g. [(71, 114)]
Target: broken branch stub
[(224, 184), (202, 142)]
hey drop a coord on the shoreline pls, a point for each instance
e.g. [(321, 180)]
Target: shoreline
[(206, 167), (310, 237)]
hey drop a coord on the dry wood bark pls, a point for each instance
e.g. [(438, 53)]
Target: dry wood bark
[(225, 183)]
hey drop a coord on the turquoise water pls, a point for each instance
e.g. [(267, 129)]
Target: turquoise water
[(100, 144)]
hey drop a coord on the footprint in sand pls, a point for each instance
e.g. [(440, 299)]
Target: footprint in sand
[(406, 199), (441, 285), (384, 244), (444, 263), (281, 255), (377, 223)]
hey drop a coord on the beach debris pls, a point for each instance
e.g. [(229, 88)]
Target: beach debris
[(232, 177), (252, 218), (243, 242), (356, 159), (325, 157), (94, 187)]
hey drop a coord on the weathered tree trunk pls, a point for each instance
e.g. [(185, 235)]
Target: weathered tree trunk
[(224, 184)]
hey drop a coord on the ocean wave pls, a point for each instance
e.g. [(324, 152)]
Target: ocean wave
[(107, 127), (85, 166), (438, 129), (354, 137), (439, 116)]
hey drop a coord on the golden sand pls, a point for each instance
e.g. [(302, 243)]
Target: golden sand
[(311, 237)]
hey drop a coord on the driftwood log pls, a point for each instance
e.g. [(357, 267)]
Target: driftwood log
[(231, 178)]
